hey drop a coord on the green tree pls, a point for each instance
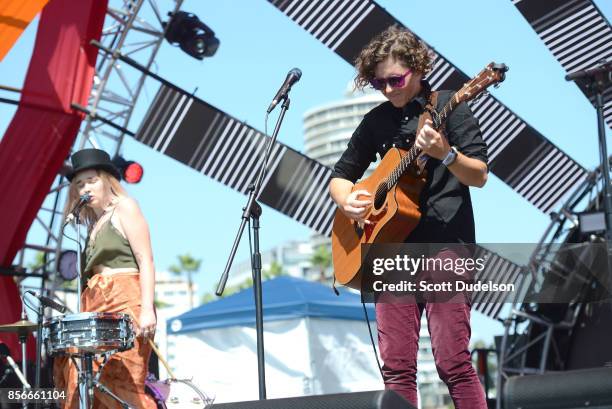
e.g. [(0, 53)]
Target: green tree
[(39, 261), (208, 297), (39, 264), (189, 266), (322, 260), (161, 304), (70, 285), (274, 270)]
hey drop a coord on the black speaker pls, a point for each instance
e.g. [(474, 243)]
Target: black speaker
[(357, 400), (584, 388)]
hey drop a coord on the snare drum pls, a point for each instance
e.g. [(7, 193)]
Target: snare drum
[(88, 332)]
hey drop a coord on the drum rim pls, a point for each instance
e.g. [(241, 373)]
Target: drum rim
[(206, 400), (83, 316), (53, 349)]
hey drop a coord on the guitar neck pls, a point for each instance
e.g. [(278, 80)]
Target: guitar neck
[(450, 106), (414, 152)]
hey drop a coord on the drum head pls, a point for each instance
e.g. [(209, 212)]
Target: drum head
[(183, 394)]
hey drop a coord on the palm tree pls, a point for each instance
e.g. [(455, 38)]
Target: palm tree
[(39, 261), (189, 265), (275, 270), (321, 259)]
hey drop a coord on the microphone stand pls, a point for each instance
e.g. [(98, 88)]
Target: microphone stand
[(83, 383), (253, 211), (39, 325), (77, 220), (23, 338)]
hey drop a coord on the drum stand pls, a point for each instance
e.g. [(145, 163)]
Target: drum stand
[(24, 368), (88, 381), (23, 338)]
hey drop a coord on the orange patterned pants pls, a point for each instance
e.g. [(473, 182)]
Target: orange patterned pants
[(125, 372)]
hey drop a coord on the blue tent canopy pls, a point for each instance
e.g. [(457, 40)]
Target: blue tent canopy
[(283, 298)]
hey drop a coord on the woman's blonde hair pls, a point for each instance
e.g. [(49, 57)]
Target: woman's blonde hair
[(395, 42), (87, 215)]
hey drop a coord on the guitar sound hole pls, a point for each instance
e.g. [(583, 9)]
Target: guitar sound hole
[(379, 199)]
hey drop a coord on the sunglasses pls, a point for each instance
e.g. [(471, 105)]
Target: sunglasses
[(394, 81)]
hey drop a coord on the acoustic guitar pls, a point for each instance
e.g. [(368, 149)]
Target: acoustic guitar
[(395, 185)]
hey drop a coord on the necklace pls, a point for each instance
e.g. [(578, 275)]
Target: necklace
[(102, 215)]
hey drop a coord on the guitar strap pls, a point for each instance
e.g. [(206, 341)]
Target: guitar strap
[(428, 113), (430, 108)]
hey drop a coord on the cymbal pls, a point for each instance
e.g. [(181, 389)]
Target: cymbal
[(21, 327)]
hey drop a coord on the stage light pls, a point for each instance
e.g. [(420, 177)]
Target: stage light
[(133, 172), (191, 35), (592, 222), (130, 171), (67, 265)]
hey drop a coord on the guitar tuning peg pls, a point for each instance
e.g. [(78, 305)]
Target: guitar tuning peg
[(482, 94)]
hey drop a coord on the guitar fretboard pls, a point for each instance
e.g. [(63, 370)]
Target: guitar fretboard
[(407, 160)]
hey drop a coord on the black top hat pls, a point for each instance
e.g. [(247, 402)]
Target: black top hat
[(92, 159)]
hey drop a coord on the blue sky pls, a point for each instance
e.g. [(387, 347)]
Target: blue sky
[(188, 212)]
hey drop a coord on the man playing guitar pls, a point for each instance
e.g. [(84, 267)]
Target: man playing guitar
[(394, 63)]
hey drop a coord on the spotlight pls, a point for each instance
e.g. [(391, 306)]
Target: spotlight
[(130, 171), (592, 222), (191, 35), (67, 265)]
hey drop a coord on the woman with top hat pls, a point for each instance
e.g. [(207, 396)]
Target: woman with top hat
[(117, 275)]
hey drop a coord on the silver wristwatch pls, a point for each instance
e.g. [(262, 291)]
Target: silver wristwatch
[(451, 157)]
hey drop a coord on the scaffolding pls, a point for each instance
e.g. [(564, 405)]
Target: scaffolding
[(536, 334), (134, 28)]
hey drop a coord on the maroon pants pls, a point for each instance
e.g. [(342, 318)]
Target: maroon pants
[(399, 324)]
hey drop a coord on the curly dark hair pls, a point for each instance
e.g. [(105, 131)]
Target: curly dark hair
[(398, 43)]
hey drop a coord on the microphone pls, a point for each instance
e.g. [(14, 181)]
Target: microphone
[(82, 202), (591, 72), (48, 302), (6, 353), (293, 77)]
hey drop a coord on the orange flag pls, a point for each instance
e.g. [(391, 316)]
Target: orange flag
[(15, 15)]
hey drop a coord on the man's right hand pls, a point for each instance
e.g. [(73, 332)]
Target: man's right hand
[(355, 207)]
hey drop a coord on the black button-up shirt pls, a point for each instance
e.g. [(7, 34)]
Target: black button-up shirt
[(445, 203)]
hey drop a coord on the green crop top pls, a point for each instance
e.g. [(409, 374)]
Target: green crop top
[(109, 249)]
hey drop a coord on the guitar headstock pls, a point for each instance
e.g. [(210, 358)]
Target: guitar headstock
[(492, 74)]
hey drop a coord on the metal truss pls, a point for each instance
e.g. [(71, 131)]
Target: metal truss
[(116, 87), (133, 28), (535, 335)]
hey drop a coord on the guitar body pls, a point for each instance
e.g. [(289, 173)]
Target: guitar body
[(392, 217)]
